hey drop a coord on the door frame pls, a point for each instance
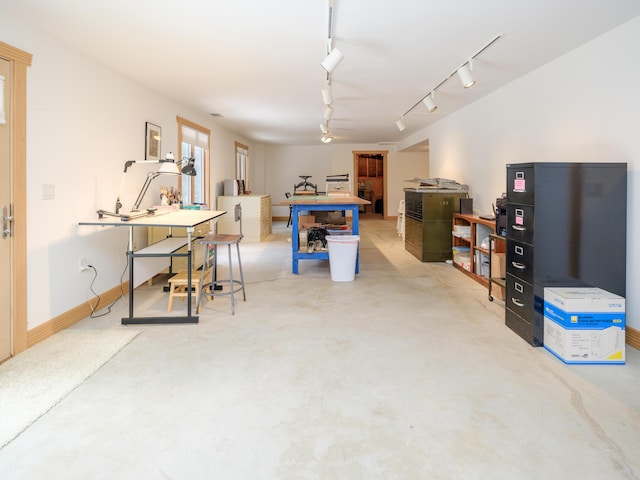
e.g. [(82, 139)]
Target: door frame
[(384, 153), (19, 61)]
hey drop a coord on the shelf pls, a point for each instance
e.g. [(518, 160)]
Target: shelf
[(477, 227), (497, 249)]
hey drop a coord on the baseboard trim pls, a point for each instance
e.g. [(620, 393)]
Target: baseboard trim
[(73, 316), (632, 337)]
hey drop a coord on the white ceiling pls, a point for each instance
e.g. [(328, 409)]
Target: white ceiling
[(257, 62)]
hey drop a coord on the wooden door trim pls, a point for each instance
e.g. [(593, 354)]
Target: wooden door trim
[(19, 60)]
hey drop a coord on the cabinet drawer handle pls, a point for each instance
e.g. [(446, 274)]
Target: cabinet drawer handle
[(520, 228), (517, 302), (520, 266)]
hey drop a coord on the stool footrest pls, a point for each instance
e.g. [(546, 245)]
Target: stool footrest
[(206, 288)]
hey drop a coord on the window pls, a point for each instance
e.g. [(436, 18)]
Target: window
[(194, 143), (242, 161)]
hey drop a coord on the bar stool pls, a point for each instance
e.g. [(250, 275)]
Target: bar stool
[(212, 242)]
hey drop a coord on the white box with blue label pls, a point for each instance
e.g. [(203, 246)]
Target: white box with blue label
[(584, 325)]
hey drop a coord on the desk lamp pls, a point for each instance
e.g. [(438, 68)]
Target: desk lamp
[(167, 167)]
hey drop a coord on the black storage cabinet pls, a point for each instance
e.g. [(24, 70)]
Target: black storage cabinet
[(566, 226)]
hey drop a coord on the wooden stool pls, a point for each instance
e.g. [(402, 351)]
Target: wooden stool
[(178, 287)]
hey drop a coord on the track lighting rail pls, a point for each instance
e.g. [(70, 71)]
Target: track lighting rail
[(459, 71)]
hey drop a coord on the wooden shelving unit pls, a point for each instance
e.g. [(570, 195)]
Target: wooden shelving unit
[(497, 267), (479, 229), (370, 166)]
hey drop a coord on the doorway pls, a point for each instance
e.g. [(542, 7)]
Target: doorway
[(13, 241), (369, 173)]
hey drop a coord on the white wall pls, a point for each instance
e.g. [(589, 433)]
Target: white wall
[(284, 165), (582, 107), (84, 120)]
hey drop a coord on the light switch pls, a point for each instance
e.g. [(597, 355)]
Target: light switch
[(48, 191)]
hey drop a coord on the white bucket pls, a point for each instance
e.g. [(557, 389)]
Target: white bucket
[(343, 251)]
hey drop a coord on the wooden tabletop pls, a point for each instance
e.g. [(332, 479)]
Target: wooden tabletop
[(324, 200), (162, 218)]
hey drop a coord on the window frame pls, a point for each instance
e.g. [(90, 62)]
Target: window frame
[(242, 164), (204, 175)]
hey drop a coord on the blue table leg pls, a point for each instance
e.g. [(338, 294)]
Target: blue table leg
[(354, 229), (295, 247)]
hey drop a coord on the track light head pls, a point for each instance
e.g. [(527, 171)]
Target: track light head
[(464, 74), (429, 103), (328, 112), (326, 138), (332, 60), (327, 98)]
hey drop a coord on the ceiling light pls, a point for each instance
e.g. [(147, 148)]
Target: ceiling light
[(429, 103), (327, 98), (464, 74), (334, 57), (332, 60), (328, 111), (401, 125)]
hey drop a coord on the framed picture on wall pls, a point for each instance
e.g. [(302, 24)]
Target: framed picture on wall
[(153, 136)]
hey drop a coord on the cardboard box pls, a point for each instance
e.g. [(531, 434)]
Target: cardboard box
[(498, 292), (584, 325), (309, 225), (306, 219), (498, 265)]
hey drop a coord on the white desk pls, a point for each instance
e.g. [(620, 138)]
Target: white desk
[(187, 219)]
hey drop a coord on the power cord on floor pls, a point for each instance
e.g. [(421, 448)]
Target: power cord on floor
[(97, 296)]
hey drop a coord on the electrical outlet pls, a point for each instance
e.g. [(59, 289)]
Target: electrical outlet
[(84, 265)]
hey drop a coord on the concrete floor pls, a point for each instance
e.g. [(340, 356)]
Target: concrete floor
[(406, 373)]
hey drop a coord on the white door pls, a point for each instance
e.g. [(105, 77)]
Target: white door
[(5, 208)]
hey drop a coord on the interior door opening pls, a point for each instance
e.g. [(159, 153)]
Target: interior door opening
[(369, 173)]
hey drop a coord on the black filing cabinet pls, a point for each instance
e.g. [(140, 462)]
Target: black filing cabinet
[(566, 226)]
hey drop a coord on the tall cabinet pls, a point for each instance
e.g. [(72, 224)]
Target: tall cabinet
[(256, 216), (566, 226), (428, 222)]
